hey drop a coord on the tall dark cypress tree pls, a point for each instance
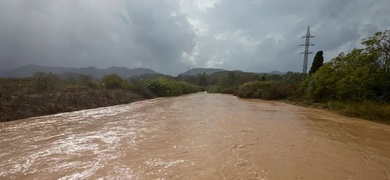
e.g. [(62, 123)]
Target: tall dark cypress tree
[(317, 62)]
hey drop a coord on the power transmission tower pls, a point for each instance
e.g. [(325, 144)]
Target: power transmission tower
[(307, 52)]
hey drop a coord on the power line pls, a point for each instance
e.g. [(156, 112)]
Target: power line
[(306, 52)]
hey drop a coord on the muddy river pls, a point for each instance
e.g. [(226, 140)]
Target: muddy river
[(199, 136)]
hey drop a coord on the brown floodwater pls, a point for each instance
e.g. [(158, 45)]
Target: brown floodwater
[(198, 136)]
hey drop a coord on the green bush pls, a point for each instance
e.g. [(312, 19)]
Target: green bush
[(112, 81), (213, 89), (267, 90), (168, 87), (86, 80), (253, 89), (142, 90), (45, 82)]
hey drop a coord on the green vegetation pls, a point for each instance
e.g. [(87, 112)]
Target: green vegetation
[(269, 90), (168, 87), (369, 110), (45, 82), (355, 77), (256, 89), (113, 81), (356, 83), (249, 85), (229, 82), (363, 74), (47, 93), (213, 89)]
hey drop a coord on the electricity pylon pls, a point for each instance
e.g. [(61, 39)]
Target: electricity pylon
[(306, 52)]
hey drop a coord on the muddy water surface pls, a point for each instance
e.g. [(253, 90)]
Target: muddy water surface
[(199, 136)]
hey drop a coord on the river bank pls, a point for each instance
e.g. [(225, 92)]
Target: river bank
[(368, 110), (46, 93), (25, 106)]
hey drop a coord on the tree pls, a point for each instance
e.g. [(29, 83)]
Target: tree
[(379, 44), (202, 79), (45, 82), (112, 81), (317, 62), (232, 79)]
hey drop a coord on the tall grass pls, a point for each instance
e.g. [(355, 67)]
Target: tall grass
[(367, 110)]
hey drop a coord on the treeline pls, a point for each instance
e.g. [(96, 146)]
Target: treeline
[(43, 83), (242, 83), (249, 85), (47, 93), (355, 83)]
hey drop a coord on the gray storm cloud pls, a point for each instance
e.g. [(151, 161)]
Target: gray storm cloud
[(171, 35), (272, 29), (100, 33)]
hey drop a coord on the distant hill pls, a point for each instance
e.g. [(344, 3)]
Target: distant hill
[(277, 72), (29, 70), (196, 71)]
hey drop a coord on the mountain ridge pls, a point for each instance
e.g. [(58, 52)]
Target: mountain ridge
[(124, 72), (196, 71), (29, 70)]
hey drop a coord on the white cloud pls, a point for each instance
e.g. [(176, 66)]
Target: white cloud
[(258, 1), (199, 27), (205, 5)]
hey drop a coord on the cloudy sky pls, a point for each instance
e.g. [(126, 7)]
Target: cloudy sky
[(170, 36)]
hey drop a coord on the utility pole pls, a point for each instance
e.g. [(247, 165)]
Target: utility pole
[(306, 52)]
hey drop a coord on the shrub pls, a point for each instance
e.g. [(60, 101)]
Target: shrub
[(169, 87), (213, 89), (142, 90), (253, 89), (86, 80), (267, 90), (113, 81), (45, 82)]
